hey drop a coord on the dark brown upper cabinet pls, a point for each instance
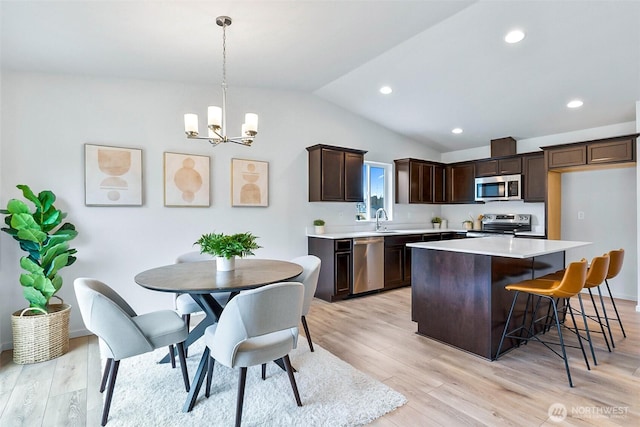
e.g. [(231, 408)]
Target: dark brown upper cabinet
[(419, 181), (609, 151), (534, 177), (617, 151), (493, 167), (460, 178), (335, 174), (567, 156)]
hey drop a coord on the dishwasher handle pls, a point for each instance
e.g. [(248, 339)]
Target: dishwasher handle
[(368, 240)]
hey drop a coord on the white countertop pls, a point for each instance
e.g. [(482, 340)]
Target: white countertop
[(501, 246), (353, 234)]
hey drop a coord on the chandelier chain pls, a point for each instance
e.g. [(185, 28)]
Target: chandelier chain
[(224, 55)]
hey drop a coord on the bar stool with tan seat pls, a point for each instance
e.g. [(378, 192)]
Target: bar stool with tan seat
[(571, 284), (596, 274), (615, 265)]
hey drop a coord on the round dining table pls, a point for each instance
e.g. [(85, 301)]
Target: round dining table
[(201, 279)]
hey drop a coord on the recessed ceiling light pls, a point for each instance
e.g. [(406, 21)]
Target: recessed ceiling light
[(576, 103), (514, 36), (456, 130), (385, 90)]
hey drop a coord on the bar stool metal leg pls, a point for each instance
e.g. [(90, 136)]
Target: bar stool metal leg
[(600, 319), (613, 302)]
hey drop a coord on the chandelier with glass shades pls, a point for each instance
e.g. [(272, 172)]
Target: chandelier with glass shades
[(216, 116)]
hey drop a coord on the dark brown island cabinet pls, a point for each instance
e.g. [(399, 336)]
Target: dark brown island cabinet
[(335, 174), (459, 298)]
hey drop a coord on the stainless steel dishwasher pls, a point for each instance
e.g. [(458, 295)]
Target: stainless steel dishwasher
[(368, 264)]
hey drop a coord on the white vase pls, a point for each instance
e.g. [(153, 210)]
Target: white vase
[(436, 224), (319, 229), (225, 264)]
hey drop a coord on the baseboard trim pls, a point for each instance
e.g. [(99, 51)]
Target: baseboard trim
[(72, 334)]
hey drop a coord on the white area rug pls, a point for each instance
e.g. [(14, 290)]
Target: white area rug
[(333, 393)]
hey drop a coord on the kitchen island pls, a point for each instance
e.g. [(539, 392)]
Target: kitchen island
[(458, 294)]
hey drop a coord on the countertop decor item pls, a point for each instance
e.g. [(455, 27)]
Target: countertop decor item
[(225, 247), (318, 225), (40, 332), (217, 117), (477, 223), (436, 221)]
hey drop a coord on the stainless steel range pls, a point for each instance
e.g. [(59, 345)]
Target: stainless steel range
[(502, 224)]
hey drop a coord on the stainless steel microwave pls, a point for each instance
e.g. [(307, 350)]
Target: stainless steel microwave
[(496, 188)]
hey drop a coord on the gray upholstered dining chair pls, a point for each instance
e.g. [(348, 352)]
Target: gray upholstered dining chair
[(309, 278), (256, 326), (123, 333), (185, 305)]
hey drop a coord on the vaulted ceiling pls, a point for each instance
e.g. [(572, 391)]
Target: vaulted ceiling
[(446, 61)]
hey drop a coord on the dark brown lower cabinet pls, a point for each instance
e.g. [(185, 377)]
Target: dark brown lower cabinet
[(397, 260), (334, 281)]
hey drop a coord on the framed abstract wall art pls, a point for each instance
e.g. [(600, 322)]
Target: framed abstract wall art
[(249, 183), (112, 176), (186, 180)]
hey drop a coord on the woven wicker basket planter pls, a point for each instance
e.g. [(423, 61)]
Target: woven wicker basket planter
[(37, 336)]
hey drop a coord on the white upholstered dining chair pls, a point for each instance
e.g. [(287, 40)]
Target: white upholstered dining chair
[(309, 278), (123, 333), (256, 326)]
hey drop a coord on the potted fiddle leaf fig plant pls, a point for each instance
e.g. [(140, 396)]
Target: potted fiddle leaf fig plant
[(43, 235), (225, 247)]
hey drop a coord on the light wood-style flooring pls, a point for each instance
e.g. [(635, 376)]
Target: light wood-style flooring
[(444, 386)]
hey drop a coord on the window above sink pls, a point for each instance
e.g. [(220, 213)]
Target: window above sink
[(377, 182)]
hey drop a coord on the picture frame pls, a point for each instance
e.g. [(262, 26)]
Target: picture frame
[(186, 180), (112, 176), (249, 183)]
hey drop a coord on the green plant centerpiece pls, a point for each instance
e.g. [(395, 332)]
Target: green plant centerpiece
[(43, 235), (226, 247)]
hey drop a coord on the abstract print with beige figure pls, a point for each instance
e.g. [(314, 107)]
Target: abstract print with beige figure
[(114, 164), (188, 180), (250, 181)]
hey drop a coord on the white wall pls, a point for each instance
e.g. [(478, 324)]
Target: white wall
[(46, 120), (609, 220)]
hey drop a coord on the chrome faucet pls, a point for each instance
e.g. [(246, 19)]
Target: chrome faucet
[(386, 218)]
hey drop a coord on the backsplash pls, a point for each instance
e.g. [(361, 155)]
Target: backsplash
[(458, 213), (340, 217)]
